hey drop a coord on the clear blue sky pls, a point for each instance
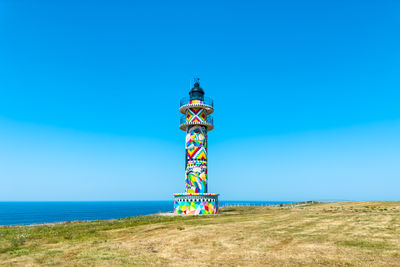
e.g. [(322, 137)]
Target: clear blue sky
[(306, 94)]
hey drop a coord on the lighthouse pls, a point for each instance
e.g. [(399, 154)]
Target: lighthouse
[(196, 122)]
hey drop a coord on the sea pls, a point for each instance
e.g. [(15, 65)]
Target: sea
[(27, 213)]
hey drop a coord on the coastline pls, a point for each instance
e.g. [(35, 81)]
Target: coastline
[(38, 213)]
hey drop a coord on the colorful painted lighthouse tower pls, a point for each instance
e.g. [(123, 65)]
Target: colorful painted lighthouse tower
[(196, 122)]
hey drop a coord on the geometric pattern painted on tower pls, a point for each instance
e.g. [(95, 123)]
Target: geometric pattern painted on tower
[(196, 143), (196, 176), (196, 115), (201, 207)]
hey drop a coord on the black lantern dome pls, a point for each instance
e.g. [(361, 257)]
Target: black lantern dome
[(197, 93)]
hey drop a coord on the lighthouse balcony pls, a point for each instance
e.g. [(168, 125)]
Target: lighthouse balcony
[(184, 124), (206, 103)]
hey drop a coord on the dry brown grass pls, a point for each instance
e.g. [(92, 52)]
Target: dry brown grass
[(337, 234)]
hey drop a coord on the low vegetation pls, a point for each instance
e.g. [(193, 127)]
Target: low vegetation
[(345, 234)]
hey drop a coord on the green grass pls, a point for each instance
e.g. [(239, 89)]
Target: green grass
[(13, 238)]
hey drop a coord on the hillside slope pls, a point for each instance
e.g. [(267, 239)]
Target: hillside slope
[(350, 233)]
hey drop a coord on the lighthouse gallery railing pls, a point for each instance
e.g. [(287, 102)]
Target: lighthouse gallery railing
[(207, 101)]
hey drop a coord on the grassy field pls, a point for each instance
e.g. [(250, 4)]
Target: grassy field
[(340, 234)]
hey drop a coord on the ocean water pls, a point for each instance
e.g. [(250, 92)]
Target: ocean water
[(25, 213)]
